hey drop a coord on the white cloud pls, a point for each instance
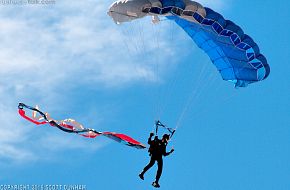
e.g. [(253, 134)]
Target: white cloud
[(12, 152), (48, 50), (22, 141), (12, 135), (76, 42)]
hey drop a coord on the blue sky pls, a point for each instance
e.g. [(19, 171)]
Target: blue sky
[(74, 62)]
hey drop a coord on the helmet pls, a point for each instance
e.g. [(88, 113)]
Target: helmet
[(166, 136)]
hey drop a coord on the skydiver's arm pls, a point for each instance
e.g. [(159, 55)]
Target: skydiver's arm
[(150, 138), (168, 153)]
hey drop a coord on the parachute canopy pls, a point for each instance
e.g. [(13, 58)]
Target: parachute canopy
[(235, 54), (72, 126)]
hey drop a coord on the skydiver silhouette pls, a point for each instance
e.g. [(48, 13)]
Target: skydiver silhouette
[(156, 150)]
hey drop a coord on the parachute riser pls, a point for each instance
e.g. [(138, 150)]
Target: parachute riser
[(159, 124)]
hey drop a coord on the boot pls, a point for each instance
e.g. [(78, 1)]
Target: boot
[(141, 175), (156, 184)]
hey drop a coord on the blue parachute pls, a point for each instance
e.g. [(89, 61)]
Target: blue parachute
[(235, 54)]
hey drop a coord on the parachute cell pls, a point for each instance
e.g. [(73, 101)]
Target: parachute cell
[(236, 56)]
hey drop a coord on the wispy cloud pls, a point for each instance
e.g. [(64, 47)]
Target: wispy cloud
[(48, 50), (22, 141), (12, 136)]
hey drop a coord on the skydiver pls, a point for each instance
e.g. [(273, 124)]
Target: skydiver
[(156, 150)]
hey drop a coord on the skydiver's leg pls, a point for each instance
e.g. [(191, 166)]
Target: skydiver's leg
[(151, 163), (159, 170)]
